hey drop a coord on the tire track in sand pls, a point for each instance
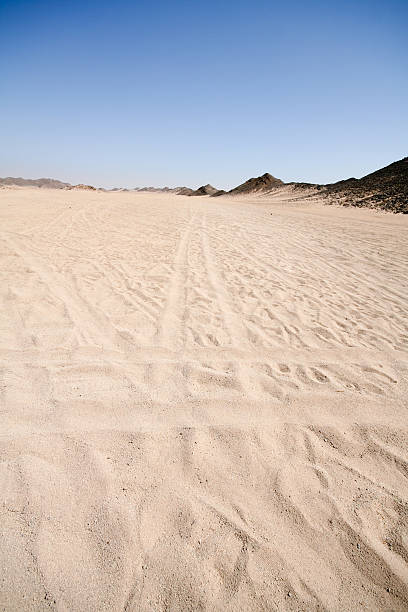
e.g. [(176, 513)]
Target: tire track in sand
[(247, 378), (232, 320), (171, 327)]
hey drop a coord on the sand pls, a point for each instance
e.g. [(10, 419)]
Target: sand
[(203, 404)]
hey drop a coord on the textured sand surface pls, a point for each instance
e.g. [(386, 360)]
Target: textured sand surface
[(203, 404)]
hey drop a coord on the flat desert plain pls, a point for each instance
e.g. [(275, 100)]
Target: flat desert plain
[(203, 404)]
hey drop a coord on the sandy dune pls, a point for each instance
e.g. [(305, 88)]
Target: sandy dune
[(203, 404)]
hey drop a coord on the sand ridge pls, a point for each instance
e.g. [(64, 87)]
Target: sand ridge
[(203, 403)]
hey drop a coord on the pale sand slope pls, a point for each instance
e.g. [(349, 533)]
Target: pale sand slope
[(203, 404)]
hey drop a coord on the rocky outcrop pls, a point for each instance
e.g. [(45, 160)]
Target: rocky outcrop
[(266, 182)]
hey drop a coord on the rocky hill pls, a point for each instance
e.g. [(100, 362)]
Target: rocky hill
[(265, 182), (82, 186), (41, 182), (386, 189), (187, 191), (204, 190), (178, 190)]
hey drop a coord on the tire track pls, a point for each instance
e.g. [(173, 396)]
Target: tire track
[(171, 326), (232, 320)]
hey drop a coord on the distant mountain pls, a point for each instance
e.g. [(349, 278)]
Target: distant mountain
[(163, 189), (81, 186), (185, 191), (386, 188), (259, 183), (204, 190), (41, 182), (149, 189)]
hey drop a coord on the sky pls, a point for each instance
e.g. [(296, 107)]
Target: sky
[(137, 93)]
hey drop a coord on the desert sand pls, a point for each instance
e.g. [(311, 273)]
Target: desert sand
[(203, 404)]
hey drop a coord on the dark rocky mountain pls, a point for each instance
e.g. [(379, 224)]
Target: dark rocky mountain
[(386, 188), (204, 190), (259, 183), (185, 191)]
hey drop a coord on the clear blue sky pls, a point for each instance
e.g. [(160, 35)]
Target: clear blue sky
[(172, 92)]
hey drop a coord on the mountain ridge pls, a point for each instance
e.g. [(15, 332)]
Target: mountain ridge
[(385, 189)]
